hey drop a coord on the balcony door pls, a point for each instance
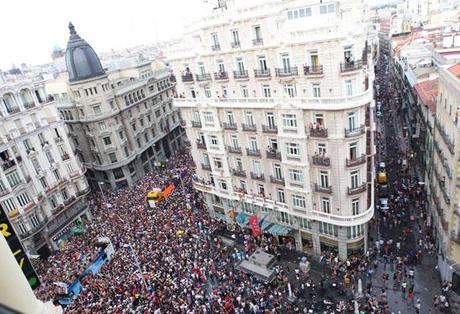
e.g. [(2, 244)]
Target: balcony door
[(324, 179), (271, 120), (286, 63)]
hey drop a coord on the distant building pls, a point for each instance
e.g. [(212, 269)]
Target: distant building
[(120, 122)]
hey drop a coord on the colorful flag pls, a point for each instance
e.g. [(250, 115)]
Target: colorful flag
[(165, 193), (255, 227)]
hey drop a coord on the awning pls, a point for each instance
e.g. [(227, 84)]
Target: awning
[(242, 219), (222, 217), (278, 229), (265, 225)]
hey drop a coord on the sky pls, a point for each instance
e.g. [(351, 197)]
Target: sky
[(29, 29)]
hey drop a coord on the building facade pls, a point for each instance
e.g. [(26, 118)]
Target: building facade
[(277, 98), (444, 184), (42, 184), (120, 122)]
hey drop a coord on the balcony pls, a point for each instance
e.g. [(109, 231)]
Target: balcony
[(7, 164), (350, 66), (235, 44), (200, 144), (70, 200), (234, 150), (220, 76), (272, 129), (29, 105), (286, 72), (187, 77), (356, 161), (447, 140), (215, 47), (253, 152), (241, 74), (257, 41), (206, 167), (277, 180), (229, 125), (203, 77), (256, 176), (196, 124), (239, 173), (321, 160), (13, 110), (65, 156), (274, 154), (318, 132), (355, 132), (83, 192), (249, 127), (313, 70), (262, 73), (58, 139), (359, 189), (323, 189)]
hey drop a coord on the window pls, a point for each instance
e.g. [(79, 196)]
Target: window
[(286, 63), (349, 88), (243, 184), (107, 140), (220, 66), (69, 168), (324, 179), (41, 138), (353, 150), (316, 90), (348, 54), (138, 140), (260, 189), (258, 32), (290, 120), (290, 90), (56, 174), (257, 167), (97, 109), (270, 120), (266, 92), (322, 149), (214, 140), (21, 227), (284, 217), (34, 220), (328, 229), (314, 60), (27, 145), (224, 91), (223, 185), (102, 126), (2, 186), (274, 144), (9, 204), (230, 117), (208, 117), (355, 206), (244, 92), (298, 201), (318, 118), (240, 65), (262, 63), (23, 199), (296, 175), (238, 164), (352, 121), (354, 177), (249, 118), (36, 165), (43, 182), (13, 179), (277, 173), (121, 135), (113, 157), (126, 151), (202, 68), (235, 38), (325, 205), (253, 144), (207, 92), (355, 231), (234, 140), (293, 149), (305, 223), (280, 196), (327, 8), (215, 39)]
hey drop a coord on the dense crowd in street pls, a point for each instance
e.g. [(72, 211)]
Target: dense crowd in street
[(186, 268)]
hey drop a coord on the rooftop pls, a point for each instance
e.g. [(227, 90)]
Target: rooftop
[(427, 91), (455, 70)]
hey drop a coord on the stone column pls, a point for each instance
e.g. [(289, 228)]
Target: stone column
[(298, 240), (342, 243), (18, 101), (15, 291), (315, 238)]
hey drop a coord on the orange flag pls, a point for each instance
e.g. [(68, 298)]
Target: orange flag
[(168, 190)]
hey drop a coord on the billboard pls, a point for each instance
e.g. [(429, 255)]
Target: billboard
[(18, 251)]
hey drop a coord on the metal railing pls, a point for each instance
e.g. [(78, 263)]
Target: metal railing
[(235, 44), (221, 76), (323, 189), (240, 74), (312, 69), (234, 150), (256, 176), (277, 180), (257, 41), (203, 77), (356, 190), (318, 132), (291, 71), (351, 66), (249, 127), (188, 77), (229, 125), (319, 160), (253, 152), (196, 124), (200, 145), (355, 132), (215, 47), (262, 73), (274, 154), (356, 161), (269, 128), (239, 173)]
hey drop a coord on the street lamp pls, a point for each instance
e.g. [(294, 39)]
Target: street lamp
[(136, 260), (99, 183)]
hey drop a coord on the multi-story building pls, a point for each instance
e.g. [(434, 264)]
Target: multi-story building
[(277, 97), (120, 122), (42, 184), (444, 184)]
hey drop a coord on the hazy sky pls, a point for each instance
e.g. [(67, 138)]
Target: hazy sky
[(29, 29)]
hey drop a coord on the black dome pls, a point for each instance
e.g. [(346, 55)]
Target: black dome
[(81, 60)]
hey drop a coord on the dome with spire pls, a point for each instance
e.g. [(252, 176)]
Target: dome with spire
[(81, 60)]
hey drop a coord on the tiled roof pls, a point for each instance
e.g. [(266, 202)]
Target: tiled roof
[(455, 70), (427, 91)]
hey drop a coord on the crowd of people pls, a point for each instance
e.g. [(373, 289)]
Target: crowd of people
[(186, 268)]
